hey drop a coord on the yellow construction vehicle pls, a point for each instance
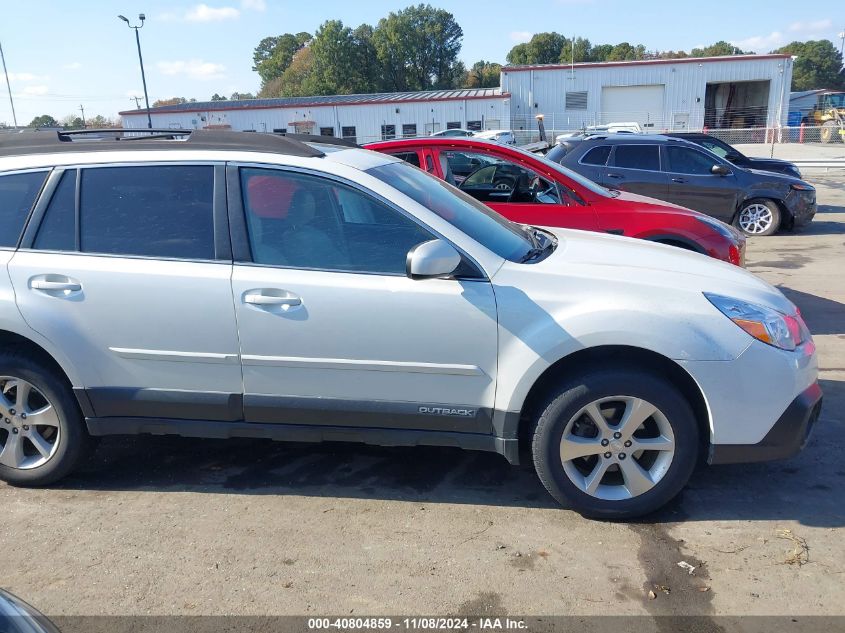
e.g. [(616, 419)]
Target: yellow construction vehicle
[(829, 116)]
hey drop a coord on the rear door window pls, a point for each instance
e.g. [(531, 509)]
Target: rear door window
[(17, 195), (644, 157), (597, 155), (153, 211)]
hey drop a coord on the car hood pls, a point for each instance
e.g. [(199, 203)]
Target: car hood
[(767, 161), (632, 265)]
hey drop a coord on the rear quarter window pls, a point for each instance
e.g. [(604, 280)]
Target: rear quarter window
[(17, 195), (645, 157)]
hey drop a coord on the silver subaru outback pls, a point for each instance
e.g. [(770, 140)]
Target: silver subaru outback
[(220, 284)]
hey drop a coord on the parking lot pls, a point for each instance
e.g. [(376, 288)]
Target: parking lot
[(157, 525)]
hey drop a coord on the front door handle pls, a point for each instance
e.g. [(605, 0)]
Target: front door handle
[(617, 176), (681, 180), (55, 284), (268, 297)]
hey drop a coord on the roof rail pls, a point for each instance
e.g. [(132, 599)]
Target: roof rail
[(31, 142), (320, 139)]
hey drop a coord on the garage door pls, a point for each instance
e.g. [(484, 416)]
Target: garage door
[(643, 104)]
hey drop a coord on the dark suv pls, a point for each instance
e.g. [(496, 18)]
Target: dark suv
[(732, 154), (671, 169)]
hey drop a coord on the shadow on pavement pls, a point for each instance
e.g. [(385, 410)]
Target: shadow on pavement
[(810, 488), (823, 316)]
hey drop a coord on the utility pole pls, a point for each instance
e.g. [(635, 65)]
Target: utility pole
[(9, 86), (842, 49), (82, 110), (141, 17), (137, 101)]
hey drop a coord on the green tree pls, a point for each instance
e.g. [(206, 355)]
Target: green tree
[(240, 96), (483, 74), (296, 81), (518, 55), (45, 120), (625, 52), (719, 49), (343, 59), (100, 122), (366, 60), (217, 97), (418, 48), (273, 55), (818, 65), (600, 52), (72, 122), (170, 101)]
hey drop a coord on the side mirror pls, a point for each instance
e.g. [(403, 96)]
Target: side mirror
[(720, 170), (432, 259)]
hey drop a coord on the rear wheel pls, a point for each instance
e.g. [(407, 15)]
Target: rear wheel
[(759, 217), (615, 444), (42, 434)]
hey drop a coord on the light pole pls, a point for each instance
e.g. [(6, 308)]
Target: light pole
[(842, 48), (141, 17), (9, 86)]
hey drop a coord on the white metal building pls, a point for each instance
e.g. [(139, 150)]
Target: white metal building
[(742, 91), (363, 118)]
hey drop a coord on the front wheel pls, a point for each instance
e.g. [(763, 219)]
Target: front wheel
[(615, 444), (42, 433), (828, 132), (759, 217)]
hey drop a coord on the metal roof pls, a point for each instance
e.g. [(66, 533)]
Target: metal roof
[(644, 62), (328, 100)]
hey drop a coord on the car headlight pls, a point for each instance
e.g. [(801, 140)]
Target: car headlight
[(800, 186), (785, 331)]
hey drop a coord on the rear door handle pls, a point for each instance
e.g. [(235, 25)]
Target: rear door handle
[(58, 284), (268, 297), (618, 176), (679, 180)]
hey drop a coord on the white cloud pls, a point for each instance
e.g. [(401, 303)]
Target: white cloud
[(776, 39), (192, 68), (34, 91), (24, 77), (761, 43), (72, 66), (520, 36), (811, 27), (253, 5), (205, 13)]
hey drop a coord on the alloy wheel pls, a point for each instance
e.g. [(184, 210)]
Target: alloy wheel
[(617, 448), (29, 425), (755, 219)]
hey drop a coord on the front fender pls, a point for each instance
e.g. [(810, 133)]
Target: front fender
[(528, 351)]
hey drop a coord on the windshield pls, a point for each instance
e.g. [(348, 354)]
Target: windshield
[(485, 226), (556, 154), (720, 148)]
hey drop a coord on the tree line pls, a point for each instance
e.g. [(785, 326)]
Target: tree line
[(817, 65), (417, 48)]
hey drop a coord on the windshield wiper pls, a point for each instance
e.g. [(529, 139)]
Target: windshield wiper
[(541, 242)]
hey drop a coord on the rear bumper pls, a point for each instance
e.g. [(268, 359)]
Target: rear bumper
[(786, 438)]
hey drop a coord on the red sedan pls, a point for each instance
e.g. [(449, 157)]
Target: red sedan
[(528, 189)]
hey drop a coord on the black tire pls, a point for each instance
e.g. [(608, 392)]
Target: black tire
[(775, 221), (74, 442), (562, 405)]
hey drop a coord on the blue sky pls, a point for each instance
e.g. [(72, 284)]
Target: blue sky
[(62, 54)]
